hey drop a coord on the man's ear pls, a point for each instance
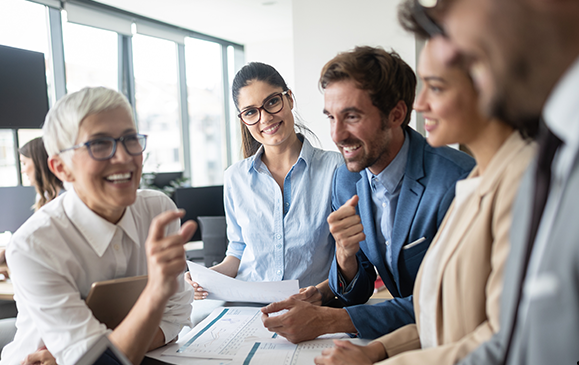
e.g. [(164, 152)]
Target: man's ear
[(398, 114), (60, 169)]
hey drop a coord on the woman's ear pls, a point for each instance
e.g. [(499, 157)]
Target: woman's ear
[(290, 99), (60, 169)]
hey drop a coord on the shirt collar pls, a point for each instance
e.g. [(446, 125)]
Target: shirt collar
[(306, 154), (391, 175), (561, 112), (97, 231)]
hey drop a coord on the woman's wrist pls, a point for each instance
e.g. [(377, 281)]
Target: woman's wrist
[(376, 351)]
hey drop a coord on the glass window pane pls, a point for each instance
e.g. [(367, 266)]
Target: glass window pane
[(206, 111), (91, 57), (157, 102), (7, 159)]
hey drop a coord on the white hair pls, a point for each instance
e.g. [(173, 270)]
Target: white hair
[(63, 120)]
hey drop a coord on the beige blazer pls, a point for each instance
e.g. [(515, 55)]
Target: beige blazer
[(470, 275)]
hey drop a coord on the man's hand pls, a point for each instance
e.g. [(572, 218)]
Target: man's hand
[(41, 357), (347, 229), (166, 255), (346, 353), (305, 321), (311, 294)]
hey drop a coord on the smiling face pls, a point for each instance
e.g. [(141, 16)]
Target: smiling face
[(28, 169), (106, 187), (272, 129), (365, 137), (448, 100)]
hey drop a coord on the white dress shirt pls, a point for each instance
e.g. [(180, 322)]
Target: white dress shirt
[(56, 256)]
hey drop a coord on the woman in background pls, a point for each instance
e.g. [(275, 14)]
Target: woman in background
[(278, 198), (35, 165)]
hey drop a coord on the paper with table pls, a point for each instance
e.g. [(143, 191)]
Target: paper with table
[(237, 334), (222, 287)]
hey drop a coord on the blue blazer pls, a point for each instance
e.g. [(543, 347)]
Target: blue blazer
[(427, 190)]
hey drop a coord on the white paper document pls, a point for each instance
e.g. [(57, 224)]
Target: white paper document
[(221, 334), (222, 287), (282, 352)]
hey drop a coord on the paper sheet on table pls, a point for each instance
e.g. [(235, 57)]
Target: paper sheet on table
[(221, 334), (223, 287), (268, 352)]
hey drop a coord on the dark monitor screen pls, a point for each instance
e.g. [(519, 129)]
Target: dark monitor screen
[(200, 202), (23, 91), (16, 206)]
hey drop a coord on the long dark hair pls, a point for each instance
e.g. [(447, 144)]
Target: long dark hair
[(257, 71), (46, 183)]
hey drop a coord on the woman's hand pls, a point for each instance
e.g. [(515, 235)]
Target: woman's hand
[(166, 255), (200, 293), (41, 357), (346, 353)]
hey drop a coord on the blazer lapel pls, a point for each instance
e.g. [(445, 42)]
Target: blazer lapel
[(410, 195)]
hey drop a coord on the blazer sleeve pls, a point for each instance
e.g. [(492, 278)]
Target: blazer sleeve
[(453, 352), (373, 321)]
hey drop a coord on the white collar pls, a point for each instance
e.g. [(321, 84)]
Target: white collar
[(561, 112), (96, 230)]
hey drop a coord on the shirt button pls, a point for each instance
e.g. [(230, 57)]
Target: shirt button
[(278, 236), (278, 272), (278, 246), (383, 205), (387, 243), (287, 204), (116, 246)]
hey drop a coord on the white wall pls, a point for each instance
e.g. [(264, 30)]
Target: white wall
[(322, 28), (277, 53)]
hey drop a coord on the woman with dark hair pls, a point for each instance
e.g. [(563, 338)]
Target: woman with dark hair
[(459, 284), (35, 165), (278, 198)]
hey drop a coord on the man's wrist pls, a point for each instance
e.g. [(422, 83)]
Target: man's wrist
[(338, 320), (348, 267)]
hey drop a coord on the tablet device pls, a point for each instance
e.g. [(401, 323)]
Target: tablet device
[(110, 301)]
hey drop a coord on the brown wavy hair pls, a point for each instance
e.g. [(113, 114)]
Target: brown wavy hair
[(384, 75), (47, 184)]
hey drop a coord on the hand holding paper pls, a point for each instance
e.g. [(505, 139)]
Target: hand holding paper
[(223, 287)]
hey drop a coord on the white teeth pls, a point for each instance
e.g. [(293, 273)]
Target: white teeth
[(350, 148), (429, 122), (271, 129), (118, 177)]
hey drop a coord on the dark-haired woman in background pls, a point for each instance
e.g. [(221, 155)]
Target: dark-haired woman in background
[(278, 198), (35, 165)]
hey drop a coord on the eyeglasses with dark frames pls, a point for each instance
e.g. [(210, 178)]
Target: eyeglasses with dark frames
[(272, 105), (104, 148), (421, 16)]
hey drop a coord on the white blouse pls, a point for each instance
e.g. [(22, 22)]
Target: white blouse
[(56, 256)]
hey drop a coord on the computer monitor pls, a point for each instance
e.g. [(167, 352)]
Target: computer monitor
[(201, 201), (16, 206), (23, 90)]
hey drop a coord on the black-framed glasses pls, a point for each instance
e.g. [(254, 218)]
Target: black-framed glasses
[(271, 105), (419, 12), (105, 148)]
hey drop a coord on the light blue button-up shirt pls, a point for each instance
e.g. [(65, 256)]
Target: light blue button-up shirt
[(281, 235), (385, 192)]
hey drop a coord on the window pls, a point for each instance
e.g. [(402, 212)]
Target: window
[(7, 159), (206, 111), (157, 102), (91, 57)]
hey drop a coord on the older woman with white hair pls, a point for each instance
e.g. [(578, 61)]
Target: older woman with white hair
[(102, 229)]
